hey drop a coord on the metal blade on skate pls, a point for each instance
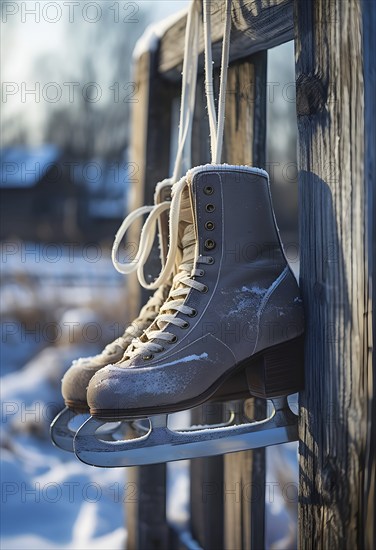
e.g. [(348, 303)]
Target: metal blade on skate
[(161, 444), (61, 431), (65, 425)]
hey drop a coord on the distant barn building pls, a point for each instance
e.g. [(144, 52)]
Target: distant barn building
[(102, 201), (45, 197)]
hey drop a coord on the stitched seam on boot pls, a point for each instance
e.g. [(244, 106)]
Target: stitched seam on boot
[(224, 344), (266, 299)]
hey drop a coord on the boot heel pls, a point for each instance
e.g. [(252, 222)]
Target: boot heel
[(278, 370)]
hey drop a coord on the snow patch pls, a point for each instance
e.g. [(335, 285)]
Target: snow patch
[(149, 41), (254, 289), (187, 359)]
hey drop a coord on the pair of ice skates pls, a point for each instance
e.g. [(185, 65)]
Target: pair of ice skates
[(225, 323), (231, 326)]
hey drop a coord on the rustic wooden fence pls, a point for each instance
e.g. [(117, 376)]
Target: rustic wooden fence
[(335, 82)]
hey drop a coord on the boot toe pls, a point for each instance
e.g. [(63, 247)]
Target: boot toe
[(75, 383), (106, 389), (131, 387), (78, 376)]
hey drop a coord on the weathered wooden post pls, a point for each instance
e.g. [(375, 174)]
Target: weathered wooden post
[(244, 477), (335, 70)]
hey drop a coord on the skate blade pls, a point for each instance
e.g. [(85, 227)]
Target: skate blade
[(60, 430), (142, 427), (160, 444), (64, 427)]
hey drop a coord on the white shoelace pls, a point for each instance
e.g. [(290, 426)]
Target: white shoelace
[(189, 83), (146, 237), (183, 281), (216, 129), (143, 321)]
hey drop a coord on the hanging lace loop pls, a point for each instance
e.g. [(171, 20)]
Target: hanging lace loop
[(216, 135), (209, 85), (216, 159), (129, 267), (173, 244), (216, 128), (189, 82), (189, 86)]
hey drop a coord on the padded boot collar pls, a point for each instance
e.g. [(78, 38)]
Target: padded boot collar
[(225, 167)]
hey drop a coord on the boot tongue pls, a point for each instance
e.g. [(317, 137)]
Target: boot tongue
[(186, 241), (186, 233), (185, 259), (185, 250)]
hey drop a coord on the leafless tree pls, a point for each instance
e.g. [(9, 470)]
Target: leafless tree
[(92, 69)]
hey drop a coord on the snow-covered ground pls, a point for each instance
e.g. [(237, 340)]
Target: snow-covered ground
[(54, 309), (52, 313)]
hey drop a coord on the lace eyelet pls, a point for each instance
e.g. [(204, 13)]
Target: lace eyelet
[(186, 325), (210, 208), (208, 190), (209, 244), (205, 289), (173, 340), (209, 226), (193, 313), (148, 357), (210, 260)]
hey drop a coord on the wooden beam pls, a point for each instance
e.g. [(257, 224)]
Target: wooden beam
[(256, 26), (150, 155), (335, 70), (228, 493), (206, 474), (207, 487), (245, 143), (138, 152)]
